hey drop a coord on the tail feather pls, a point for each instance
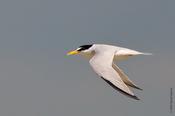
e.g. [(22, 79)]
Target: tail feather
[(147, 53)]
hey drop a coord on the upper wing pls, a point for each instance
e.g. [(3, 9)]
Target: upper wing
[(102, 65), (124, 77)]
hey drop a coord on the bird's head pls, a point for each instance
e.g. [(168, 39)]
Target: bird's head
[(82, 49)]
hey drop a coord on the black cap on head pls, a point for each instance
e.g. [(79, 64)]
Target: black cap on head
[(84, 47)]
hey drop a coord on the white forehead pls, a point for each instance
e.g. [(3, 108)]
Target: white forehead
[(78, 48)]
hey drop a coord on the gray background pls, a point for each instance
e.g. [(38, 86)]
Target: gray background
[(38, 79)]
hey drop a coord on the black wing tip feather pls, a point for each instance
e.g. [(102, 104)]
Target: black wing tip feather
[(121, 91), (135, 87), (135, 97), (139, 88)]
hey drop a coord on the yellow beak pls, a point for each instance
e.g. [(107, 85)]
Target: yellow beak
[(73, 52)]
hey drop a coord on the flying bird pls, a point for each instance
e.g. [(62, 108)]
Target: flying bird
[(102, 57)]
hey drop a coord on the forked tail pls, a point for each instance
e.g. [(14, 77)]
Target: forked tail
[(147, 53)]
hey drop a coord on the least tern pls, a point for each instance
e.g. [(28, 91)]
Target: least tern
[(101, 58)]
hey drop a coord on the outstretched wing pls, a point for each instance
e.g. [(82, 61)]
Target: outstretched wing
[(102, 65)]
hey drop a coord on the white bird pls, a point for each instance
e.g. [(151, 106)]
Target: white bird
[(101, 58)]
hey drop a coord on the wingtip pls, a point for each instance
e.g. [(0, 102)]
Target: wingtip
[(134, 86), (120, 90), (138, 88), (135, 97)]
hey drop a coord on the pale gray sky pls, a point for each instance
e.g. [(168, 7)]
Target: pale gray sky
[(38, 79)]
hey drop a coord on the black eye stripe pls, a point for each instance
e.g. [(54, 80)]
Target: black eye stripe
[(84, 47), (80, 49)]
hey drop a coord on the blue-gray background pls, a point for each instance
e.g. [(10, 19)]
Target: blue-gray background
[(38, 79)]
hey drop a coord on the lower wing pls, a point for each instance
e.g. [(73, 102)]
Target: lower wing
[(124, 77)]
